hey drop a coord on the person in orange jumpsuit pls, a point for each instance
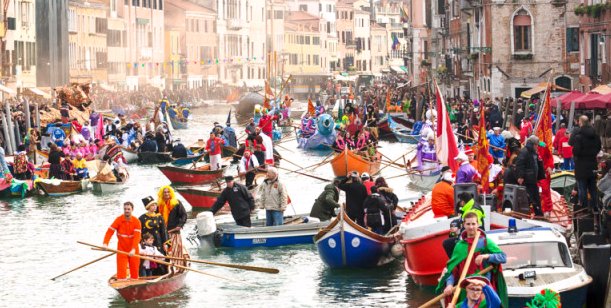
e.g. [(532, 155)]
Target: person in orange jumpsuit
[(442, 202), (128, 230)]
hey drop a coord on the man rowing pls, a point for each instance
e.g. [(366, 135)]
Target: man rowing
[(128, 230)]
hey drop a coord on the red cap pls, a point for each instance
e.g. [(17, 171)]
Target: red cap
[(468, 150)]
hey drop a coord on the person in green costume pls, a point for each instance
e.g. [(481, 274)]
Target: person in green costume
[(479, 294), (486, 253)]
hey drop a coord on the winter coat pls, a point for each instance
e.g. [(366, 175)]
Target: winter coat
[(355, 195), (391, 205), (586, 145), (272, 195), (325, 204), (527, 165), (240, 200)]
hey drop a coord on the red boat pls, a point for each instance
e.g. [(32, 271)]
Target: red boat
[(187, 176), (423, 235), (146, 288), (199, 198)]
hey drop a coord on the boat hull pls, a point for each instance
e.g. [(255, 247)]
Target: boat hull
[(101, 187), (344, 244), (64, 188), (423, 181), (129, 155), (186, 160), (571, 298), (186, 176), (198, 198), (154, 157), (177, 124), (347, 161), (150, 290)]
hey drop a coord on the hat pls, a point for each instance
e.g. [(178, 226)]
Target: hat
[(365, 175), (467, 281), (444, 169), (455, 223), (496, 128), (541, 143), (354, 174), (469, 150), (229, 178), (177, 140), (507, 134), (148, 201), (215, 123), (462, 156)]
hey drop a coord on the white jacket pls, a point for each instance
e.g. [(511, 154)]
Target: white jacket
[(272, 195), (245, 166), (149, 251)]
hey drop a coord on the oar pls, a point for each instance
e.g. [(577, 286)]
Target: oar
[(283, 148), (88, 263), (466, 268), (441, 296), (378, 172), (316, 165), (159, 261), (238, 266), (312, 176), (292, 163)]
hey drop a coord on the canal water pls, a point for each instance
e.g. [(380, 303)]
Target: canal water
[(39, 237)]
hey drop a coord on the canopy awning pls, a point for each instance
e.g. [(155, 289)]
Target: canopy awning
[(7, 90), (540, 88), (39, 92), (566, 99), (593, 100), (398, 69), (602, 89)]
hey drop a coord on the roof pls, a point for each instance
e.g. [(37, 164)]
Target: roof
[(298, 20), (190, 6), (539, 234)]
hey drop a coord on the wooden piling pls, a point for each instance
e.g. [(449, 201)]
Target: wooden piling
[(7, 138), (11, 130), (28, 121)]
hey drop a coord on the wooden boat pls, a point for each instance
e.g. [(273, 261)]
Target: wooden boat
[(384, 130), (347, 161), (16, 189), (178, 124), (227, 151), (402, 133), (552, 267), (154, 157), (186, 160), (107, 187), (345, 244), (129, 155), (203, 199), (57, 188), (189, 176), (421, 231), (146, 288), (294, 231), (423, 181)]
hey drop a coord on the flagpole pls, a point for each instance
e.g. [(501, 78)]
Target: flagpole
[(548, 88)]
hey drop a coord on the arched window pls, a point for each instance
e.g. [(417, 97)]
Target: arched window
[(522, 33), (565, 82)]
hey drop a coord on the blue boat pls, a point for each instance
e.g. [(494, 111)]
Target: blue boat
[(324, 137), (402, 133), (179, 123), (345, 244), (294, 231), (186, 160)]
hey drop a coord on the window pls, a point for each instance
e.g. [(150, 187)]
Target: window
[(161, 4), (24, 8), (316, 41), (278, 14), (572, 39), (521, 31)]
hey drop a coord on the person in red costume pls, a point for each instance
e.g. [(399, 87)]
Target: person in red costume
[(545, 184), (266, 123), (128, 230)]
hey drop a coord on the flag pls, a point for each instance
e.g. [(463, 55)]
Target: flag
[(404, 17), (266, 103), (543, 129), (233, 96), (388, 100), (228, 117), (482, 152), (311, 109), (268, 90), (395, 42), (445, 141), (340, 111)]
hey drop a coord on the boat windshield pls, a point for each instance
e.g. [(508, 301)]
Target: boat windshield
[(537, 254)]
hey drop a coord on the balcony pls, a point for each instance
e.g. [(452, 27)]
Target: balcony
[(235, 24)]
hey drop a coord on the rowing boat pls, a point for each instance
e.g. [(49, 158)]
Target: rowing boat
[(348, 161), (130, 156), (154, 157), (57, 188), (181, 161), (146, 288), (188, 176)]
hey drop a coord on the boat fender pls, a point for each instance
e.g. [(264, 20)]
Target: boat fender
[(308, 219), (396, 250), (205, 223)]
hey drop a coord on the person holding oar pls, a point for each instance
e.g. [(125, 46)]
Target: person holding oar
[(247, 167), (486, 252), (129, 231)]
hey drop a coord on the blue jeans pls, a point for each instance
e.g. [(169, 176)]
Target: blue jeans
[(274, 218), (145, 272), (568, 165), (587, 186)]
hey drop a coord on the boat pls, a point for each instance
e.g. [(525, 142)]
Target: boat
[(57, 188), (130, 156), (181, 161), (295, 230), (178, 123), (323, 138), (145, 288), (345, 244), (203, 199), (563, 182), (423, 180), (16, 189), (154, 157), (348, 161), (226, 151), (190, 176), (421, 231), (538, 259), (107, 187), (402, 133)]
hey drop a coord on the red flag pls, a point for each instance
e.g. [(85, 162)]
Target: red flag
[(266, 104), (482, 153), (543, 130), (268, 90), (445, 141), (388, 100), (311, 109)]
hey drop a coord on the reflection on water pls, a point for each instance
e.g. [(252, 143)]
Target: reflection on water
[(40, 233)]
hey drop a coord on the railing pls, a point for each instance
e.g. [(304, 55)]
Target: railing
[(235, 24)]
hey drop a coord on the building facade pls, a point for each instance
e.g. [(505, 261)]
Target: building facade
[(52, 43), (87, 27), (590, 37)]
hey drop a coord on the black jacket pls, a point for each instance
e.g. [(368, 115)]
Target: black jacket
[(149, 145), (356, 193), (527, 166), (240, 201), (177, 217), (325, 204), (179, 151), (586, 145)]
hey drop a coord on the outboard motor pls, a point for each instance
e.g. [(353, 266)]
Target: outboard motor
[(206, 229)]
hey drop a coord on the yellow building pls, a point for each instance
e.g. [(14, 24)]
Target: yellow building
[(302, 44), (87, 27)]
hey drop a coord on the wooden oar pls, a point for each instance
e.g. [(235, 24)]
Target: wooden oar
[(159, 261), (292, 163), (283, 148), (238, 266), (298, 172), (490, 145), (466, 268), (88, 263), (441, 296)]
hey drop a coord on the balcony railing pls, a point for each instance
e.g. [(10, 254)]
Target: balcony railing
[(235, 24)]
